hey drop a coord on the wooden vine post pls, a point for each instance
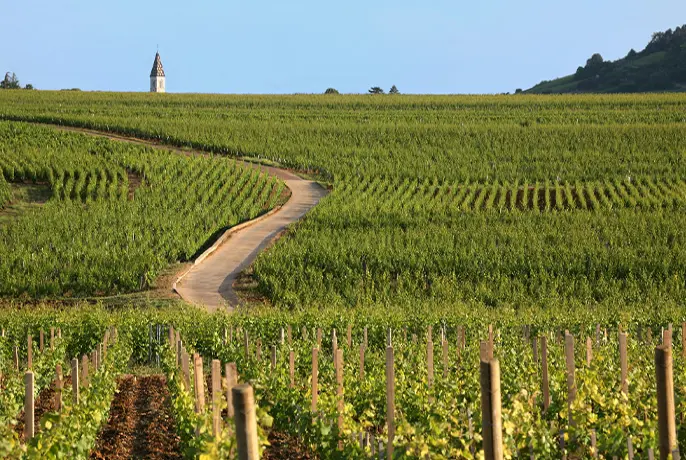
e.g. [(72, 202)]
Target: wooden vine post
[(340, 404), (491, 410), (444, 349), (623, 362), (315, 378), (199, 384), (41, 341), (665, 400), (349, 336), (59, 384), (334, 348), (185, 368), (291, 368), (361, 361), (545, 387), (75, 380), (430, 360), (246, 422), (390, 398), (485, 351), (28, 406), (571, 383), (231, 381), (246, 344), (29, 364), (84, 371), (16, 358), (589, 351), (216, 397), (667, 338), (683, 339)]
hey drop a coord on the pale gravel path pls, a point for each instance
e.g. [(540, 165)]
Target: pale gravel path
[(210, 283)]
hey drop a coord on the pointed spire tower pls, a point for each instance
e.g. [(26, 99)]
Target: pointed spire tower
[(157, 76)]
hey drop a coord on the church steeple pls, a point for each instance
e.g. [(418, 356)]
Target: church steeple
[(157, 77)]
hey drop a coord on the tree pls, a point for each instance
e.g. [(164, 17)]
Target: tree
[(10, 82), (595, 61), (394, 90), (632, 53), (375, 90), (28, 86), (331, 91), (518, 91)]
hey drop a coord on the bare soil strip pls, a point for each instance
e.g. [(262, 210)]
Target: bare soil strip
[(140, 423), (285, 447)]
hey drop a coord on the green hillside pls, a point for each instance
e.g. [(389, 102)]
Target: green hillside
[(661, 66)]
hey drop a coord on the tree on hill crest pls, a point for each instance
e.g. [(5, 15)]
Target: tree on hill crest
[(10, 81)]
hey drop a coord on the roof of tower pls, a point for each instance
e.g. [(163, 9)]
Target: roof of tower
[(157, 69)]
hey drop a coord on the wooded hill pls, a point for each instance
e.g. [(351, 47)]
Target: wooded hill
[(661, 66)]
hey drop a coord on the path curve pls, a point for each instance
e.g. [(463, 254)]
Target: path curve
[(209, 282)]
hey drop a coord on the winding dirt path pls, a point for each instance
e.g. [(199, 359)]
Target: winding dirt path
[(209, 282)]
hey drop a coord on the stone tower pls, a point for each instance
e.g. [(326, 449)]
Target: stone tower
[(157, 76)]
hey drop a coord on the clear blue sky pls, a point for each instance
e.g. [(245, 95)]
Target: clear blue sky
[(259, 46)]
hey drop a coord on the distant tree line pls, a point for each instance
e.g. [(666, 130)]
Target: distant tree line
[(372, 90), (379, 90), (12, 82)]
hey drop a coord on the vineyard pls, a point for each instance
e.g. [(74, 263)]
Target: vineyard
[(502, 201), (5, 192), (384, 241), (475, 138), (355, 385), (490, 277), (118, 214)]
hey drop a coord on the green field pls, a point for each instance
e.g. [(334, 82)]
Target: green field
[(534, 214), (489, 200), (5, 192)]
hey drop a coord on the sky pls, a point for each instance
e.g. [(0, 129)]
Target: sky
[(260, 46)]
